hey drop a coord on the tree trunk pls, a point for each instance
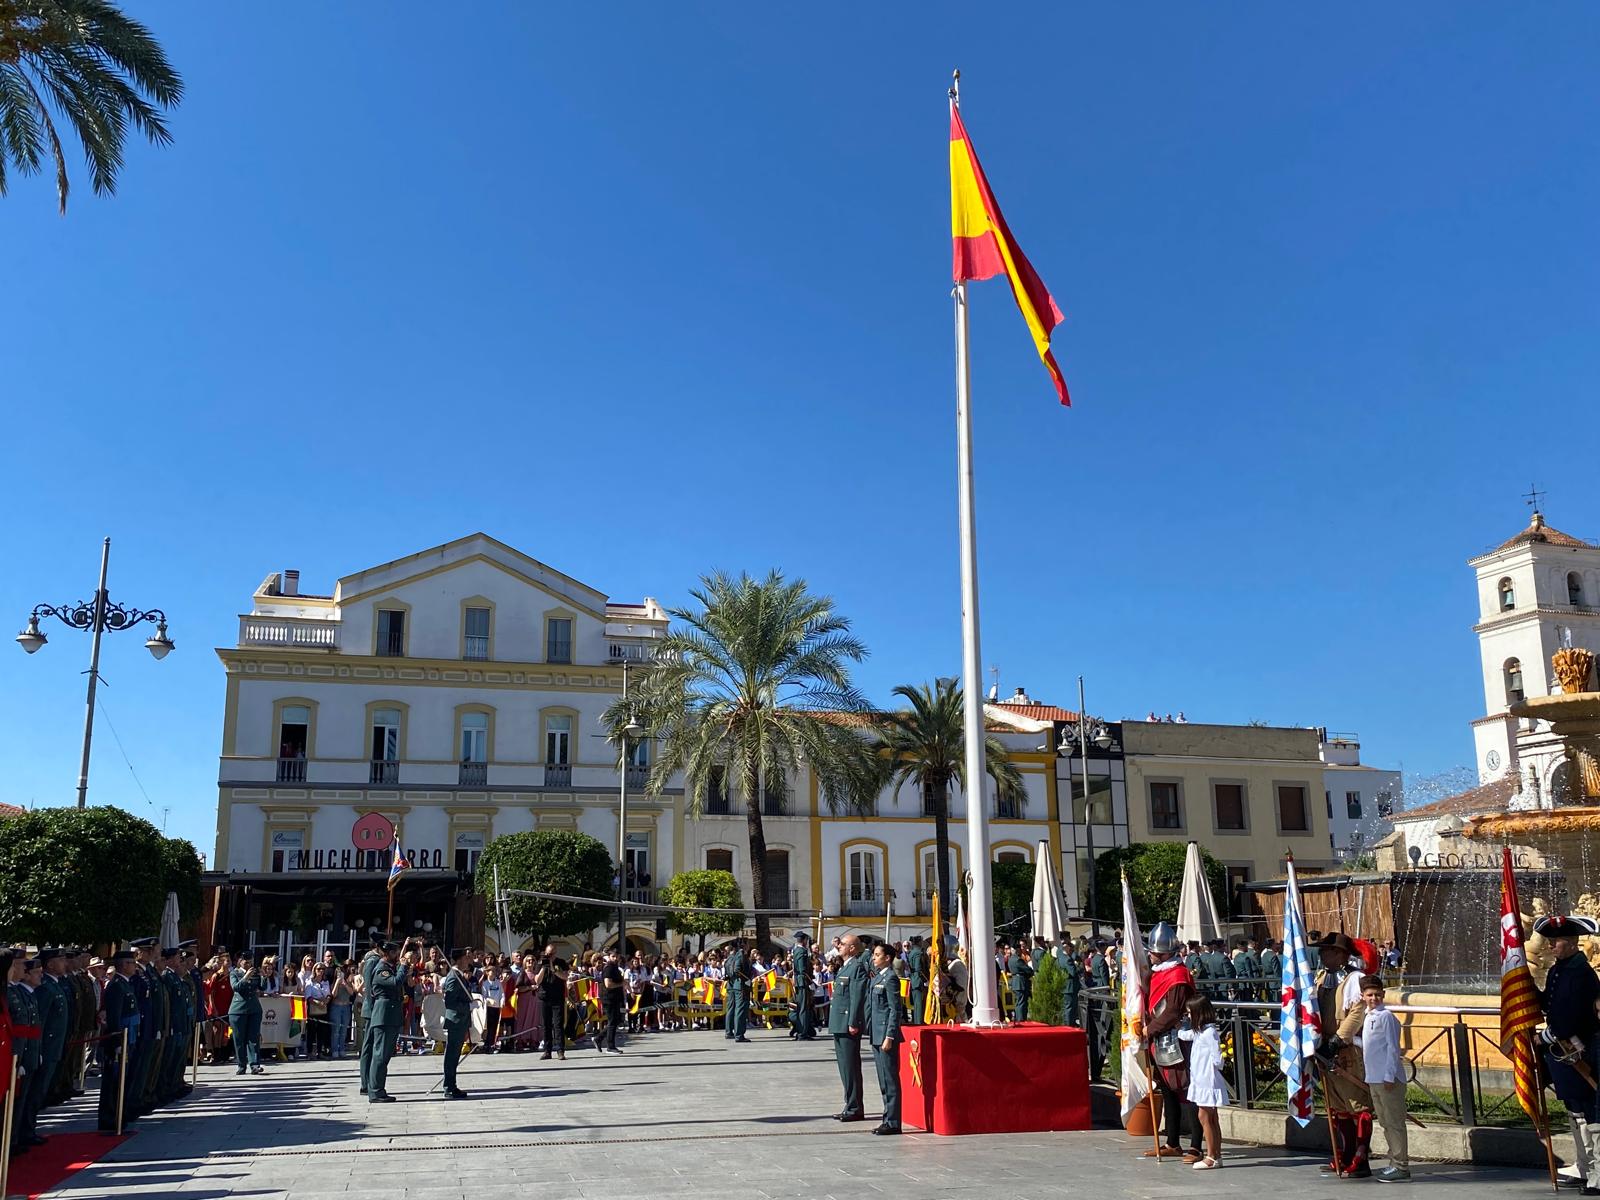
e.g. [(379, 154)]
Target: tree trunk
[(758, 858), (939, 793)]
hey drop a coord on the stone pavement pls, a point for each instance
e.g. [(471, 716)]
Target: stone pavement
[(680, 1114)]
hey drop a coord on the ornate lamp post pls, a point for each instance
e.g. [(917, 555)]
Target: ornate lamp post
[(1075, 739), (96, 616)]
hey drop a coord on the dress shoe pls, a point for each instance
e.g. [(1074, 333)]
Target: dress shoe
[(1165, 1152), (456, 1094), (849, 1116), (380, 1098), (742, 1039), (363, 1090), (886, 1129), (545, 1056), (240, 1071)]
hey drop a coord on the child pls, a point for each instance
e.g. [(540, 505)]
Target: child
[(1386, 1077), (1208, 1091)]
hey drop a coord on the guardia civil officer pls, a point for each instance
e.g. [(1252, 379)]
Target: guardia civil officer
[(25, 1037), (244, 1013), (883, 1031), (388, 987), (847, 1017), (802, 972), (1020, 972), (457, 1019), (139, 1055), (1572, 1037), (373, 956), (51, 1001), (917, 965), (120, 1007), (737, 975)]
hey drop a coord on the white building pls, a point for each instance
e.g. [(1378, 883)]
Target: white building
[(1533, 590), (1360, 798), (459, 692)]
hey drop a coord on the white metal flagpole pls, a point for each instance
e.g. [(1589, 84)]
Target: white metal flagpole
[(980, 911)]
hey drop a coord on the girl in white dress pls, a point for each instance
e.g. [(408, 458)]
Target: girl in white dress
[(1208, 1091)]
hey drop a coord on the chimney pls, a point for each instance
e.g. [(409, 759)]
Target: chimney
[(291, 584)]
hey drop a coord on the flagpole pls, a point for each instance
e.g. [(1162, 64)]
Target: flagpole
[(985, 1009)]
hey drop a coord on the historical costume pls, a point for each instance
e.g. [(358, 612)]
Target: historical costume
[(1338, 984), (1171, 988)]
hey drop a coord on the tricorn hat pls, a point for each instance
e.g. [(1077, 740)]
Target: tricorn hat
[(1558, 926), (1338, 941)]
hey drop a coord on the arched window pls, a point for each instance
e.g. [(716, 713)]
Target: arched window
[(864, 880), (1574, 589), (1513, 671), (1508, 595)]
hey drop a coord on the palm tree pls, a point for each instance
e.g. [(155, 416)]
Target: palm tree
[(926, 744), (87, 61), (747, 687)]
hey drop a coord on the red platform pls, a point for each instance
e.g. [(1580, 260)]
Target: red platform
[(43, 1168), (1014, 1079)]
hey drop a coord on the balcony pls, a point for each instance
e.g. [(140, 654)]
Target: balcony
[(862, 900), (558, 775), (384, 771), (782, 899), (638, 775), (619, 652), (639, 895), (292, 768), (474, 774), (924, 899), (288, 633), (775, 804)]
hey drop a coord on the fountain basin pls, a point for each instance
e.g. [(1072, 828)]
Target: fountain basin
[(1577, 712)]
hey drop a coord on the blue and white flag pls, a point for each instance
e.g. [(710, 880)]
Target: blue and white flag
[(400, 865), (1300, 1028)]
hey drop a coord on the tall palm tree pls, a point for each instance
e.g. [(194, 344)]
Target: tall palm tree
[(748, 686), (926, 745), (86, 61)]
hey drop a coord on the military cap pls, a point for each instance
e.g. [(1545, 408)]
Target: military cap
[(143, 943), (391, 946), (458, 952), (30, 964), (50, 952), (1558, 926), (169, 951), (123, 956), (378, 936), (189, 945), (802, 936)]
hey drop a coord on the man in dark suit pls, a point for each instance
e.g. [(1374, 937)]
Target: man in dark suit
[(121, 1008), (883, 1031), (847, 1018), (457, 1019)]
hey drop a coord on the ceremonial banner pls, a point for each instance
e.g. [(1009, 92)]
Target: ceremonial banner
[(1519, 999), (933, 1008), (1135, 973), (984, 247), (1300, 1024)]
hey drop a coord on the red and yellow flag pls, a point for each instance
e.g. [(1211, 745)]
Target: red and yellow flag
[(985, 248), (1519, 1000)]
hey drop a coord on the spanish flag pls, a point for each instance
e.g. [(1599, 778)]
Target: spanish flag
[(985, 248), (1519, 999)]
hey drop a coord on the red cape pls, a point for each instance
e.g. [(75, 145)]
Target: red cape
[(1161, 982)]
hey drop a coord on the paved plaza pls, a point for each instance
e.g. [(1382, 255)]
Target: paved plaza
[(680, 1114)]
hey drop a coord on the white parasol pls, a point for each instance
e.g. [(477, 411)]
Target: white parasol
[(169, 922), (1197, 912), (1045, 908)]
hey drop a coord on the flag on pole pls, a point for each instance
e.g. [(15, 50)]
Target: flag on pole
[(933, 1009), (1519, 999), (399, 866), (984, 247), (1135, 971), (1300, 1024)]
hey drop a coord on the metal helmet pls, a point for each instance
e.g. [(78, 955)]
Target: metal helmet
[(1163, 939)]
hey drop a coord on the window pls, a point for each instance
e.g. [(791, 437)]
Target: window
[(1099, 800), (716, 797), (477, 633), (385, 745), (294, 735), (1352, 805), (391, 633), (1237, 878), (1164, 812), (558, 640), (469, 848), (1292, 814), (777, 879), (1385, 803), (774, 795), (474, 737), (1508, 595), (636, 866), (287, 847), (930, 870), (1574, 589), (1008, 808), (719, 860), (1513, 673), (863, 888), (557, 740), (1011, 856), (1229, 800)]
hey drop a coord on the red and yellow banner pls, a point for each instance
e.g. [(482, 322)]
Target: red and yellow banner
[(984, 247), (1519, 999)]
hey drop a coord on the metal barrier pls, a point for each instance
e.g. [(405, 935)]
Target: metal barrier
[(1459, 1087)]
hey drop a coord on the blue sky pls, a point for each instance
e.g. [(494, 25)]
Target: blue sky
[(651, 290)]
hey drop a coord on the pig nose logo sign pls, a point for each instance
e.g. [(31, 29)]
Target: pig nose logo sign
[(372, 831)]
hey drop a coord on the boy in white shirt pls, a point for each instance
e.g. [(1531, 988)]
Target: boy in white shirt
[(1386, 1077)]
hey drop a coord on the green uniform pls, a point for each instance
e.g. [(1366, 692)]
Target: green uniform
[(244, 1018), (1021, 974), (736, 978), (388, 989), (457, 1021), (1073, 992), (23, 1004), (122, 1013), (883, 1025), (917, 962), (1217, 970), (805, 1016), (170, 1083), (847, 1018), (374, 956), (161, 1010)]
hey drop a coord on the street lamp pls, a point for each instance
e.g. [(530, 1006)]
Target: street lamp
[(1075, 738), (96, 616)]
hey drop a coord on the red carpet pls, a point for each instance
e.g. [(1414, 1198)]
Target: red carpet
[(44, 1167)]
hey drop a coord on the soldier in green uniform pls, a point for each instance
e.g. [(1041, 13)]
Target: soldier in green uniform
[(1020, 972), (1271, 973), (847, 1017), (50, 998), (374, 956), (457, 1019), (1072, 966), (169, 1077), (1218, 971), (1098, 1009), (244, 1013), (161, 1013), (883, 1031), (56, 973), (139, 1054), (803, 971), (736, 978), (22, 999), (917, 964), (390, 977), (121, 1007)]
